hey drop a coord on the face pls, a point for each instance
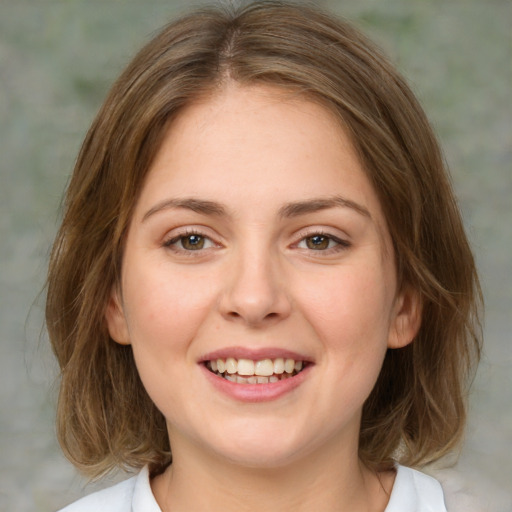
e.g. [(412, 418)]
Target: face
[(258, 286)]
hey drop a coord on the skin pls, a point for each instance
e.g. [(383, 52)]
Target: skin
[(259, 282)]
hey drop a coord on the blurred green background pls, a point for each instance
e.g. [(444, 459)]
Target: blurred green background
[(57, 59)]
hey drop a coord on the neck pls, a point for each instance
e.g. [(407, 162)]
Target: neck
[(331, 480)]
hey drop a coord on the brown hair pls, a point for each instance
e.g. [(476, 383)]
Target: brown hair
[(416, 412)]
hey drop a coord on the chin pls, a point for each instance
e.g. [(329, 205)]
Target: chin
[(261, 448)]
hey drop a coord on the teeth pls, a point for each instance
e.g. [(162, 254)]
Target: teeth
[(247, 371), (279, 365), (245, 367), (231, 366), (289, 365), (265, 368)]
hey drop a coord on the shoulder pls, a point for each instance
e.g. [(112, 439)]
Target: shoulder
[(117, 498), (415, 492), (130, 495)]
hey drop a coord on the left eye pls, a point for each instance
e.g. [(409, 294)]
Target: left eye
[(319, 242), (190, 242)]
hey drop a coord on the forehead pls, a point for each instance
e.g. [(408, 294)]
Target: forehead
[(268, 145), (259, 115)]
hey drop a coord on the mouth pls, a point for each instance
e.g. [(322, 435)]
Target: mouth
[(261, 371)]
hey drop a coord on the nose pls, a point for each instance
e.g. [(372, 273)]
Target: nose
[(255, 291)]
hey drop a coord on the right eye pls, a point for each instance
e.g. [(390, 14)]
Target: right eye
[(319, 242), (189, 242)]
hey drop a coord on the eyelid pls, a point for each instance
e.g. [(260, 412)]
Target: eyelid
[(173, 237), (342, 241)]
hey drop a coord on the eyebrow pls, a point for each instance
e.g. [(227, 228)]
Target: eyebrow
[(298, 208), (195, 205), (289, 210)]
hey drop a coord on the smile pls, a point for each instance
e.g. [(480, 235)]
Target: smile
[(248, 371)]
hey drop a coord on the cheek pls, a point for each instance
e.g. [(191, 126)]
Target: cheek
[(164, 309), (350, 313), (351, 307)]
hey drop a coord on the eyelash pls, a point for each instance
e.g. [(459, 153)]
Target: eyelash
[(170, 244), (341, 245)]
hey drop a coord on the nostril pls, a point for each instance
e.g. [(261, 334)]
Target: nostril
[(269, 316)]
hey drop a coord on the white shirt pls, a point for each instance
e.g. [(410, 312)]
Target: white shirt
[(412, 492)]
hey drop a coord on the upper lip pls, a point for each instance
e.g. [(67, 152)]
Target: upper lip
[(254, 354)]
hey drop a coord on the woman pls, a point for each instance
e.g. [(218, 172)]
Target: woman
[(262, 270)]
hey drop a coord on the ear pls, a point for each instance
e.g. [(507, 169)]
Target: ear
[(116, 320), (407, 318)]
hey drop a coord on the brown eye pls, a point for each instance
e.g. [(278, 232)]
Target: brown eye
[(189, 242), (317, 242), (192, 242), (323, 243)]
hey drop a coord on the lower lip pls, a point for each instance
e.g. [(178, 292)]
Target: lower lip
[(256, 392)]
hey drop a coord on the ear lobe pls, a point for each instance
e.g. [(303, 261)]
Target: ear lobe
[(116, 321), (407, 320)]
